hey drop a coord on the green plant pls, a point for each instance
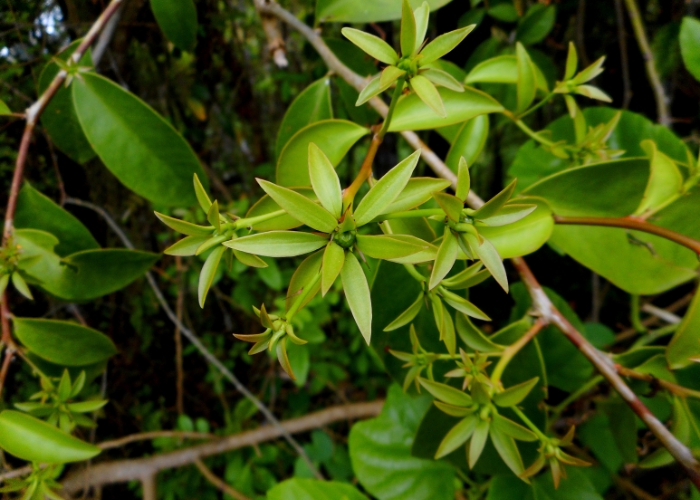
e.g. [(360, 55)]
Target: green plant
[(475, 416)]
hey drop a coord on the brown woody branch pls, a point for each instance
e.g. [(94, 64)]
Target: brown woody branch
[(541, 303), (635, 224), (142, 468)]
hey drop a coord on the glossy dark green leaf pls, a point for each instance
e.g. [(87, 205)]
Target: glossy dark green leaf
[(413, 114), (144, 152), (357, 294), (333, 137), (313, 104), (31, 439), (536, 24), (63, 342), (300, 207), (469, 143), (36, 211), (60, 118), (690, 45), (684, 348), (380, 450), (351, 12), (333, 260), (386, 190), (178, 20), (313, 489), (278, 243)]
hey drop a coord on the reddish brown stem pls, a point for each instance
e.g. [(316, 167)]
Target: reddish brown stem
[(676, 389), (9, 354), (635, 224), (544, 307), (366, 170)]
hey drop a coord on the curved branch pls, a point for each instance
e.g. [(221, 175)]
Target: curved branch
[(635, 224), (120, 471)]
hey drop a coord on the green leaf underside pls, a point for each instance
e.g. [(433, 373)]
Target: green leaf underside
[(144, 151), (206, 276), (31, 439), (372, 45), (63, 342), (446, 256), (306, 273), (278, 243), (386, 247)]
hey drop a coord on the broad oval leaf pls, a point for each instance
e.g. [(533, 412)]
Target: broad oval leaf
[(366, 12), (36, 211), (63, 342), (59, 117), (333, 137), (135, 143), (31, 439), (178, 20), (690, 45), (278, 243), (313, 489), (313, 104), (469, 143), (413, 114), (357, 294)]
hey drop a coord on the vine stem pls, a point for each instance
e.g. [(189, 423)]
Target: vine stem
[(653, 75), (541, 303), (542, 437), (31, 116), (632, 223), (509, 352)]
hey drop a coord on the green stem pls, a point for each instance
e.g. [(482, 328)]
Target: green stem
[(654, 335), (414, 273), (590, 384), (544, 101), (635, 315), (250, 222), (534, 135), (529, 423), (392, 106), (410, 214), (509, 352), (302, 297)]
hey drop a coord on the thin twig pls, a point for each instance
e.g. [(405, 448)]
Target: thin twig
[(147, 436), (656, 86), (218, 482), (194, 339), (128, 470)]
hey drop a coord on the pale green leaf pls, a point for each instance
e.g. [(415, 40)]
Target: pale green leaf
[(479, 437), (407, 316), (515, 394), (333, 260), (313, 104), (526, 85), (459, 280), (463, 180), (446, 394), (457, 436), (313, 489), (325, 181), (388, 247), (300, 207), (372, 45), (444, 44), (446, 256), (345, 11), (473, 337), (358, 295), (422, 16), (417, 191), (408, 29), (491, 207), (21, 285), (372, 89), (388, 77), (443, 79), (185, 227), (508, 215), (689, 40), (278, 243), (249, 259), (306, 273), (665, 180), (463, 305), (206, 276), (452, 205), (491, 260), (571, 62), (201, 194), (427, 93), (507, 449)]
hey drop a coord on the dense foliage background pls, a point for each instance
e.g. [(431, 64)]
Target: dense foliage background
[(228, 98)]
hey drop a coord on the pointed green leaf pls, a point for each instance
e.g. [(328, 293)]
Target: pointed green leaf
[(300, 207), (86, 406), (457, 436), (185, 227), (665, 180), (306, 273), (389, 76), (333, 260), (62, 342), (536, 24), (500, 69), (446, 393), (313, 104), (386, 190), (21, 285), (508, 215), (444, 44), (479, 437), (590, 72), (373, 88), (592, 93), (372, 45), (684, 348), (463, 180), (31, 439), (463, 305), (526, 86), (446, 256), (144, 151), (387, 247), (491, 260), (508, 450), (325, 181), (201, 194), (515, 394), (281, 350), (451, 204), (443, 79), (407, 316), (249, 259), (454, 411), (418, 191), (474, 337), (4, 109), (491, 207), (206, 276), (571, 62), (78, 384), (468, 144), (211, 243), (427, 93), (213, 216), (408, 29), (64, 386), (358, 295), (278, 243), (266, 205), (422, 16)]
